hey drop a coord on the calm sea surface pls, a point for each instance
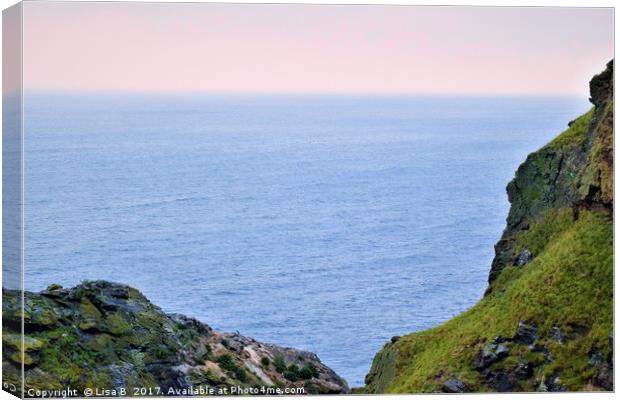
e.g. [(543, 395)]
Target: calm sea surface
[(328, 223)]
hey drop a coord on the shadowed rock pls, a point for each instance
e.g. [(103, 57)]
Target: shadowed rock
[(454, 385)]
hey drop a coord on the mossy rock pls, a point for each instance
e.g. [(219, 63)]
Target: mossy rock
[(90, 316), (38, 311), (103, 334), (31, 347), (117, 324), (22, 358)]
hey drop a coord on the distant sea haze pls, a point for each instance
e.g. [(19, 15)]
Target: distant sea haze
[(327, 223)]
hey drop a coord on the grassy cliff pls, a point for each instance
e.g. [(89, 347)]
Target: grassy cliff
[(546, 320)]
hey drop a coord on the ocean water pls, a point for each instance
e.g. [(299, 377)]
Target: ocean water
[(328, 223)]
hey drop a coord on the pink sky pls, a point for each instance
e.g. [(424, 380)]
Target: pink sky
[(306, 48)]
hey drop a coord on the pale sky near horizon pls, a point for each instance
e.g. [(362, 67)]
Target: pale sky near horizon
[(313, 48)]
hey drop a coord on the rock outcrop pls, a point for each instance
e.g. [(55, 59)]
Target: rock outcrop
[(107, 336), (545, 322), (574, 170)]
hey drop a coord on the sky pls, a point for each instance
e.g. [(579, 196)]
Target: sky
[(313, 48)]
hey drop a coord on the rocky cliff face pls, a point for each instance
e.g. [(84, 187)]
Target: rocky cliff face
[(574, 170), (107, 336), (546, 320)]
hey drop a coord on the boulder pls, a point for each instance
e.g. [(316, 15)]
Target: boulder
[(551, 384), (502, 381), (526, 334), (490, 353), (454, 385), (524, 258), (524, 369), (604, 370)]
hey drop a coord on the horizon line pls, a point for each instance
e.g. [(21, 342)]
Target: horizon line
[(75, 91)]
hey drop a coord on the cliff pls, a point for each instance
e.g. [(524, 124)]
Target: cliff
[(546, 320), (107, 336)]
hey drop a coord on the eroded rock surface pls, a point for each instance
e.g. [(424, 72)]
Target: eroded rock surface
[(106, 335)]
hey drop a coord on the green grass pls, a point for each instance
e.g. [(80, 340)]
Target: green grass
[(568, 284), (575, 134), (226, 362), (545, 229), (309, 371), (279, 363)]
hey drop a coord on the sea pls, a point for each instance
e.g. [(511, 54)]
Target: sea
[(329, 223)]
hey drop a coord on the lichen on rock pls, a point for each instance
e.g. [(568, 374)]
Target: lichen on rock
[(106, 335)]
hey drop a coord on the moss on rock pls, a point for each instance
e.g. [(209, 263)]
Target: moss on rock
[(107, 335)]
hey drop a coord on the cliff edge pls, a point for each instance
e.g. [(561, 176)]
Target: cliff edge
[(546, 320), (109, 337)]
